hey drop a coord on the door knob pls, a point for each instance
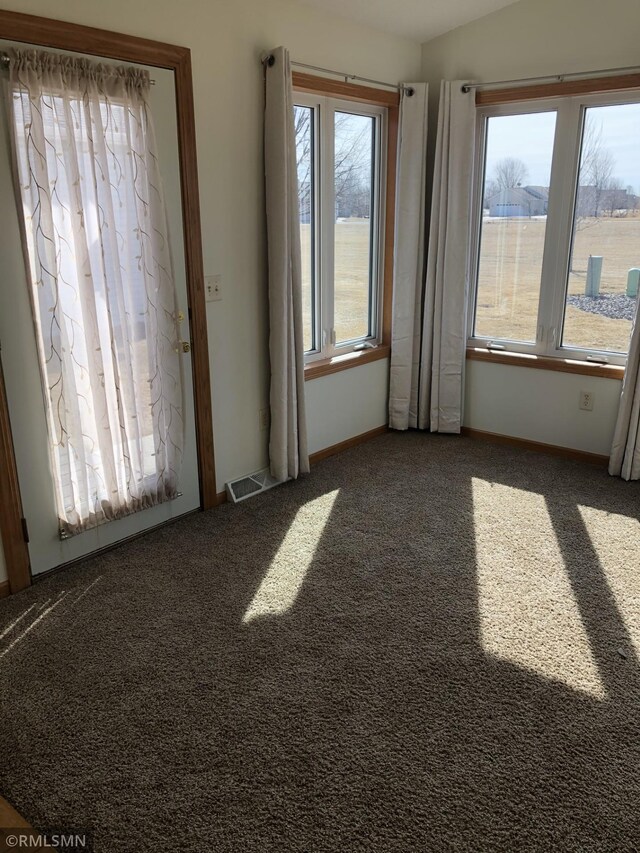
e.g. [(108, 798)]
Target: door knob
[(186, 346)]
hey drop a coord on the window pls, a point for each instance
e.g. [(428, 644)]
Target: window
[(558, 226), (341, 161)]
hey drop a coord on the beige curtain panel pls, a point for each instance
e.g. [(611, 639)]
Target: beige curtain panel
[(288, 453), (101, 280), (625, 452), (408, 275), (447, 279)]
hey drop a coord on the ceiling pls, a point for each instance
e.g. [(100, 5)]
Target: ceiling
[(420, 20)]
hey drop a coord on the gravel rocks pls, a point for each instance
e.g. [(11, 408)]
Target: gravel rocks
[(618, 306)]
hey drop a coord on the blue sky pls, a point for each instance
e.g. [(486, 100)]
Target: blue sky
[(530, 139)]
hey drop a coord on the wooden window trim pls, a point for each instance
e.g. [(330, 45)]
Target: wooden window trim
[(545, 362), (325, 366), (46, 32), (566, 88), (346, 91), (15, 548), (390, 100)]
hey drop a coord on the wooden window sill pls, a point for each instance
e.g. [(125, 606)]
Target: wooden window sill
[(545, 362), (315, 369)]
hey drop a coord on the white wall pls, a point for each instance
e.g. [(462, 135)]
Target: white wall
[(226, 40), (537, 37), (330, 421), (541, 405)]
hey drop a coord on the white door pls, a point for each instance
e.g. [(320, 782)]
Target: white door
[(22, 376)]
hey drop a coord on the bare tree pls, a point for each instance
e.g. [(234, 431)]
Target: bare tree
[(596, 170), (510, 172), (616, 198), (302, 124), (601, 171), (490, 189), (352, 164)]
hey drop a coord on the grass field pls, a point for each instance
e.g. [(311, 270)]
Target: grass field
[(351, 317), (509, 283), (509, 279)]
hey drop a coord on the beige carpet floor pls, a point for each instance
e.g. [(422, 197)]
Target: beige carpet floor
[(429, 644)]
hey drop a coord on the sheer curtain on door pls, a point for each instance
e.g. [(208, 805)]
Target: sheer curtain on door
[(101, 281)]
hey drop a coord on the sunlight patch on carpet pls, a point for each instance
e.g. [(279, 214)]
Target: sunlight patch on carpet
[(16, 621), (41, 614), (527, 609), (281, 585), (21, 627), (616, 540)]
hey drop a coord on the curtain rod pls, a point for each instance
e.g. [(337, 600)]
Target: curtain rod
[(551, 78), (5, 59), (269, 59)]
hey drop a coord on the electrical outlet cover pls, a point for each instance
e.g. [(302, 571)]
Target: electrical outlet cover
[(586, 401)]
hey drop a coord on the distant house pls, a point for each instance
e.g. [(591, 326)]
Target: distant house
[(518, 201), (611, 201)]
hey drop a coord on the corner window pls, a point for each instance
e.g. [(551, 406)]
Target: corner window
[(558, 227), (340, 148)]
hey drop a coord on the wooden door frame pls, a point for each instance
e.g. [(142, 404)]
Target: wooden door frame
[(45, 32)]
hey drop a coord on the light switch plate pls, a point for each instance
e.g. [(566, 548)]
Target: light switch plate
[(213, 288)]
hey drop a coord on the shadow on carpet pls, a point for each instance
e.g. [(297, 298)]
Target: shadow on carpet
[(427, 644)]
